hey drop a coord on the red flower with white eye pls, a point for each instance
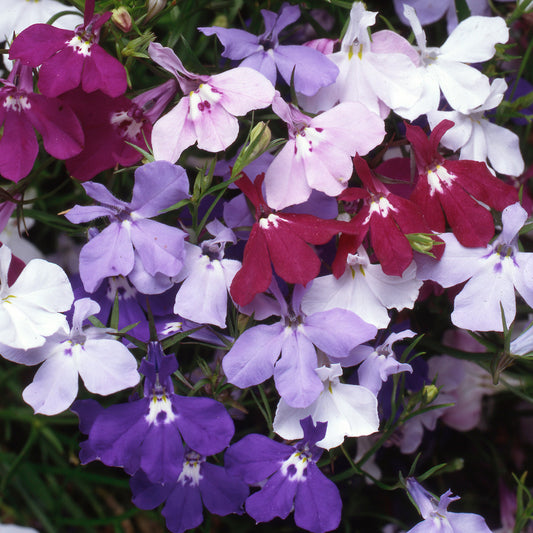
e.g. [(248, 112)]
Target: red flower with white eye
[(453, 189)]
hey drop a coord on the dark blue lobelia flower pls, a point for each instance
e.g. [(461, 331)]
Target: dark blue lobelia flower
[(293, 480), (146, 434), (198, 483)]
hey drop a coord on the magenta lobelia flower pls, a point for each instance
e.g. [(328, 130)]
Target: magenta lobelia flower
[(21, 110), (280, 238), (388, 217), (68, 58), (452, 188)]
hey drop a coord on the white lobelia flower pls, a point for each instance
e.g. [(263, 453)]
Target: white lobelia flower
[(446, 68), (478, 138), (378, 71), (104, 363), (365, 290), (31, 309), (349, 410)]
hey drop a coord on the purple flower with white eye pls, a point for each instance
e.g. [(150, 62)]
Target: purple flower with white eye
[(132, 243), (436, 516), (104, 363), (203, 295), (207, 114), (312, 70), (254, 356), (293, 480), (493, 273), (21, 110), (199, 482), (147, 434)]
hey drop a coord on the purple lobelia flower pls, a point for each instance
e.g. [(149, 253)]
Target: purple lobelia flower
[(436, 516), (132, 241), (293, 480), (312, 69), (146, 434), (21, 110), (199, 482), (68, 58), (254, 356)]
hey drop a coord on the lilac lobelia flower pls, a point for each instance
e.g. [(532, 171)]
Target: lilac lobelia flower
[(207, 113), (132, 240), (319, 151), (436, 516), (147, 434), (199, 482), (104, 363), (21, 110), (68, 58), (293, 480), (493, 273), (312, 70), (254, 356), (203, 295)]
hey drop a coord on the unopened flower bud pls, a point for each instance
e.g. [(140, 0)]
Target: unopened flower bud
[(122, 19), (154, 7), (258, 143), (422, 242), (429, 393)]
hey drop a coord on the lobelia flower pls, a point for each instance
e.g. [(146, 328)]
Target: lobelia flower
[(280, 238), (68, 58), (109, 125), (293, 480), (364, 289), (478, 138), (21, 110), (380, 73), (254, 356), (31, 307), (389, 218), (454, 187), (310, 68), (436, 516), (199, 482), (207, 276), (349, 410), (207, 114), (317, 154), (431, 12), (104, 364), (465, 384), (492, 272), (379, 363), (146, 434), (446, 68), (132, 239)]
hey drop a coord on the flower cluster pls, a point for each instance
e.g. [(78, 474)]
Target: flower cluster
[(257, 311)]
